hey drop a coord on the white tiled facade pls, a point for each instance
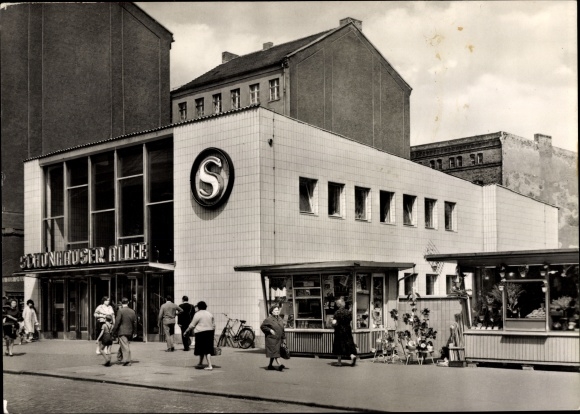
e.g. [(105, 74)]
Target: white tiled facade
[(261, 223)]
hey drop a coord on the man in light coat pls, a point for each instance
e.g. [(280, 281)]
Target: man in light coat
[(166, 316)]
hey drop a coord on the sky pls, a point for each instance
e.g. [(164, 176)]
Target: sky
[(475, 67)]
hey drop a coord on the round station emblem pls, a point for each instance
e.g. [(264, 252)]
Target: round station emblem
[(212, 177)]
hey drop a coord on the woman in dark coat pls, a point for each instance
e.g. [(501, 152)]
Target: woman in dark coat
[(343, 342), (11, 317), (273, 328)]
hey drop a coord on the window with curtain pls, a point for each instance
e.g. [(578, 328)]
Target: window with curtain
[(409, 210)]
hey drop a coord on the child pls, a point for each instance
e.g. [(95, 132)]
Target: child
[(105, 339)]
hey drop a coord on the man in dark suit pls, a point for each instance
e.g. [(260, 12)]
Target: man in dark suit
[(126, 329), (184, 319)]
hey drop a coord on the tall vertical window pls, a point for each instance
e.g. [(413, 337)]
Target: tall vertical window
[(460, 161), (361, 203), (431, 281), (409, 283), (335, 200), (432, 164), (439, 164), (217, 103), (160, 203), (430, 213), (130, 184), (78, 203), (54, 209), (387, 205), (452, 162), (308, 195), (235, 96), (103, 199), (472, 158), (274, 89), (480, 158), (450, 220), (255, 93), (199, 107), (182, 111), (409, 217)]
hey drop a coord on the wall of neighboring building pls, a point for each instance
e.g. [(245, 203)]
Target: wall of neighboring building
[(344, 85), (538, 170), (75, 73)]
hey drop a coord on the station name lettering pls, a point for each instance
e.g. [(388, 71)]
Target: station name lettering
[(86, 256)]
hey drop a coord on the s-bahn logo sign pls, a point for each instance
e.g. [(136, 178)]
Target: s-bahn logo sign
[(212, 178)]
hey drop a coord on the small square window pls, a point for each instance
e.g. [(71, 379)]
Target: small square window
[(453, 283), (387, 207), (431, 282), (308, 195), (450, 220), (274, 89), (255, 93), (182, 111), (336, 200), (430, 213), (217, 103), (409, 283), (409, 216), (199, 107), (361, 203), (235, 96)]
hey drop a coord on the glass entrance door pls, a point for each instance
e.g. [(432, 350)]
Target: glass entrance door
[(130, 286)]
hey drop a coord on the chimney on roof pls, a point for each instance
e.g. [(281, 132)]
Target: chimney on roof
[(267, 45), (544, 142), (347, 20), (227, 56)]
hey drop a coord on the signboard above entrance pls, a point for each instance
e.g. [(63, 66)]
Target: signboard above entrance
[(212, 178), (86, 256)]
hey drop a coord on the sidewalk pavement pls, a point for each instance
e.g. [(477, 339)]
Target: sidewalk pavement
[(309, 381)]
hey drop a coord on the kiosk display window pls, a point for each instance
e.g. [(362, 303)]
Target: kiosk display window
[(309, 301)]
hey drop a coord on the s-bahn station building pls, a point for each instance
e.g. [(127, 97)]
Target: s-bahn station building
[(248, 208)]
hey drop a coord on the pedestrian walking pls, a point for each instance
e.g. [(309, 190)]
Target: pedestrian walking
[(343, 343), (101, 313), (184, 319), (11, 317), (273, 328), (105, 339), (166, 316), (125, 329), (30, 320), (203, 326)]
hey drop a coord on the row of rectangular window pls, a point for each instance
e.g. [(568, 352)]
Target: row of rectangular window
[(457, 161), (308, 190), (235, 102), (410, 281)]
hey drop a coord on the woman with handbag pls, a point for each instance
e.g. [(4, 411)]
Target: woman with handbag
[(11, 317), (273, 328)]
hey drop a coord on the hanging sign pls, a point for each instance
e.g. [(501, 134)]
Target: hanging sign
[(212, 178), (86, 256)]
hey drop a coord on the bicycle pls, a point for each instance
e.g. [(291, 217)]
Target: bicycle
[(243, 337)]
